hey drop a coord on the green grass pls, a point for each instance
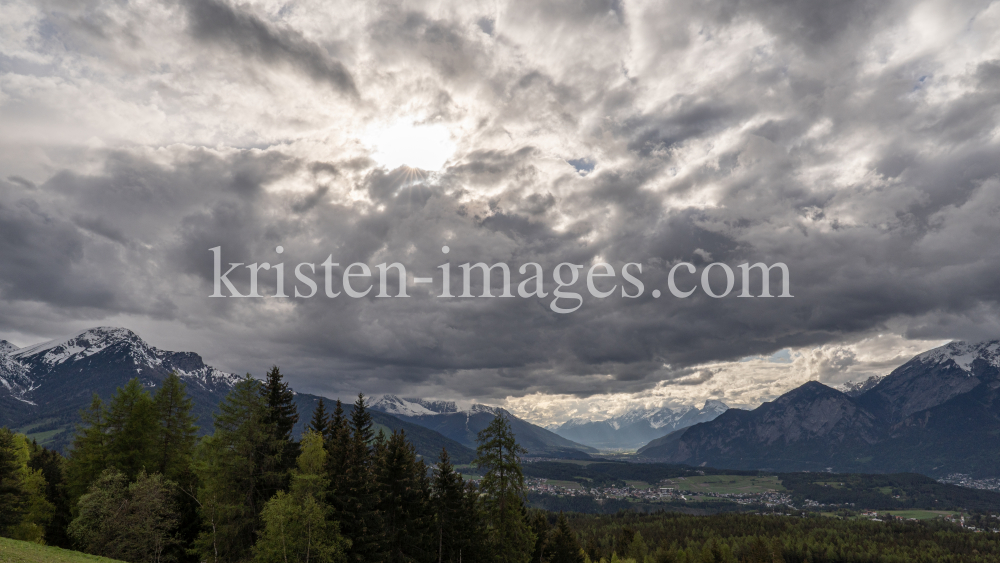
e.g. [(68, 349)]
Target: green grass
[(726, 484), (13, 551)]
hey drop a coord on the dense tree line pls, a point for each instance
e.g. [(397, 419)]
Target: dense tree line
[(139, 486), (630, 537)]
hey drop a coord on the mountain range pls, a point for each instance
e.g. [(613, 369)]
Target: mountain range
[(638, 426), (938, 413), (462, 426), (44, 387)]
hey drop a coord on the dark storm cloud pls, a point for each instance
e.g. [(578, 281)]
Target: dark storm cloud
[(218, 22), (709, 132)]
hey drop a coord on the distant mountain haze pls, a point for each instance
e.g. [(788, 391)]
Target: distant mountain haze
[(637, 427), (939, 413)]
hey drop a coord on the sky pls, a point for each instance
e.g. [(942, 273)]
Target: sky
[(856, 142)]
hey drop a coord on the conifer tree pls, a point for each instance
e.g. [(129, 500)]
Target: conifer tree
[(498, 452), (282, 415), (89, 456), (53, 469), (174, 450), (358, 494), (320, 421), (235, 466), (541, 528), (296, 527), (132, 430), (338, 443), (176, 436), (563, 545), (455, 520), (404, 502), (13, 498)]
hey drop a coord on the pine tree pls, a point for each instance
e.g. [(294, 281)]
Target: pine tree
[(563, 545), (176, 436), (235, 466), (320, 420), (132, 430), (499, 454), (404, 502)]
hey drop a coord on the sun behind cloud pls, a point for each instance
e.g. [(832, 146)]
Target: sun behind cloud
[(404, 143)]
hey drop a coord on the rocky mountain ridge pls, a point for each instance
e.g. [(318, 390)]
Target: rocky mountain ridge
[(936, 414)]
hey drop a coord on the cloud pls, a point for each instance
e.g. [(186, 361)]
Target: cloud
[(218, 22), (853, 142)]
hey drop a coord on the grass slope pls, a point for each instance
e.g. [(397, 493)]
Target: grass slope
[(13, 551)]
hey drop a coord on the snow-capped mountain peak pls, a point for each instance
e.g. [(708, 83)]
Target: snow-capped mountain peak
[(963, 354), (82, 345), (487, 409), (394, 405), (856, 388), (440, 407), (6, 347), (714, 406)]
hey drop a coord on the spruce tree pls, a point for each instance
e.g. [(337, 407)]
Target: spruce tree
[(320, 421), (337, 443), (540, 526), (283, 415), (236, 467), (563, 545), (404, 502), (359, 500), (455, 530), (498, 452)]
